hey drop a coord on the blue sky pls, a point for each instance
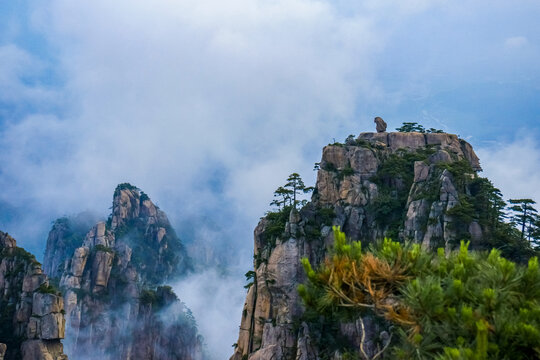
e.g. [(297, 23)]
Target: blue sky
[(227, 99), (208, 105)]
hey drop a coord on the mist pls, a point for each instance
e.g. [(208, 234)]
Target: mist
[(216, 301), (208, 106)]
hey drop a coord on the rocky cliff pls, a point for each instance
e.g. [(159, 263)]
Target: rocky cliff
[(31, 311), (118, 305), (408, 186), (66, 235)]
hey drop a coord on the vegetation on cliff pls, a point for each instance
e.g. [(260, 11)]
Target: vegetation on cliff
[(479, 201), (31, 310), (422, 189), (155, 264), (394, 178), (14, 263), (445, 305), (66, 235), (121, 266), (415, 127)]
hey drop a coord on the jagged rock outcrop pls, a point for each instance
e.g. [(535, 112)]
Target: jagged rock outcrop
[(401, 185), (380, 124), (114, 282), (31, 311), (66, 235)]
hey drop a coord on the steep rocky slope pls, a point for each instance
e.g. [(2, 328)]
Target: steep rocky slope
[(118, 305), (65, 236), (31, 311), (411, 186)]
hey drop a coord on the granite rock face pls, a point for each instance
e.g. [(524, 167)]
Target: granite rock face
[(356, 184), (32, 320), (66, 235), (114, 285)]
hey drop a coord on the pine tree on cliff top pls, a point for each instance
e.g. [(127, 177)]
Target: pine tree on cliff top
[(286, 195), (524, 214)]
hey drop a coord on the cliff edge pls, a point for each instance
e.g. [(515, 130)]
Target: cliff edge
[(114, 280), (31, 310), (407, 186)]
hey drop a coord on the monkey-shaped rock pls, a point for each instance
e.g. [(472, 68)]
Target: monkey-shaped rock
[(381, 125)]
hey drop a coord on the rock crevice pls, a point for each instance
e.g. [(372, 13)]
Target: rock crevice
[(32, 320), (380, 184), (118, 305)]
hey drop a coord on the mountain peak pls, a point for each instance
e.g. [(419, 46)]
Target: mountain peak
[(122, 263), (130, 203), (32, 310), (415, 186), (450, 143), (7, 241)]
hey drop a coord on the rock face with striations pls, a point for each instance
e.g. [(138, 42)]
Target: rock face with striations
[(65, 236), (31, 311), (118, 305), (399, 185)]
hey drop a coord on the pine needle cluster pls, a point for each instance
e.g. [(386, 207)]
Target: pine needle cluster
[(445, 305)]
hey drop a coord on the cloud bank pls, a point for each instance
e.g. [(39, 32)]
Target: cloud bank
[(208, 105), (186, 100), (514, 167), (218, 315)]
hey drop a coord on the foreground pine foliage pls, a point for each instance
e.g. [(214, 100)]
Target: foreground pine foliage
[(444, 305)]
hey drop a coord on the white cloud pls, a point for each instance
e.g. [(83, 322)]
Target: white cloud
[(17, 70), (516, 42), (163, 93), (513, 167), (174, 96), (216, 302)]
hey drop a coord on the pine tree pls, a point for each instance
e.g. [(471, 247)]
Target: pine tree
[(286, 195), (283, 197), (415, 127), (489, 201), (459, 305), (533, 231), (296, 185), (524, 213), (411, 127)]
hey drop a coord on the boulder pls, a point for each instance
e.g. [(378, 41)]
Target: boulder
[(363, 161), (380, 124), (78, 261), (52, 326), (470, 155), (101, 268), (409, 141), (33, 280), (421, 171), (40, 350), (441, 156), (381, 138), (334, 156), (44, 304), (272, 352)]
